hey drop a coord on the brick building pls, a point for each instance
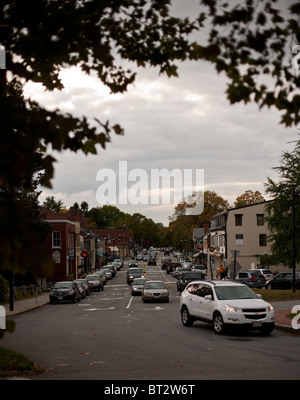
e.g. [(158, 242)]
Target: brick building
[(114, 241), (77, 249), (66, 242)]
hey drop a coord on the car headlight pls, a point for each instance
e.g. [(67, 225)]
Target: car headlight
[(270, 308), (230, 308)]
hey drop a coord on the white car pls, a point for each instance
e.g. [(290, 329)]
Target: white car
[(225, 304)]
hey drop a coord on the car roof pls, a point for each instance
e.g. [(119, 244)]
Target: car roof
[(226, 282)]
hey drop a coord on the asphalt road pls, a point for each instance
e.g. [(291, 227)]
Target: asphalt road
[(111, 336)]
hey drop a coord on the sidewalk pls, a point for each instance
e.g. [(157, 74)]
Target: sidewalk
[(281, 320), (22, 306)]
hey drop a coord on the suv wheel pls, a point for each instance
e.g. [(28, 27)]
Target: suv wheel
[(218, 323), (185, 317)]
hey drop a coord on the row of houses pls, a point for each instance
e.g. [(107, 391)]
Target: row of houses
[(77, 249), (234, 239)]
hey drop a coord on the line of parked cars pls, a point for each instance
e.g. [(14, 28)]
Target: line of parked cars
[(80, 288)]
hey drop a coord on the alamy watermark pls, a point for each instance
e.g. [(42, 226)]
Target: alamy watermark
[(159, 186), (2, 57), (296, 58), (2, 318), (295, 324)]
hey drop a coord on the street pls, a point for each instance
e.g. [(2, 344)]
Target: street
[(112, 335)]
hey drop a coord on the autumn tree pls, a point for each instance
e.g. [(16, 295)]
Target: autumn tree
[(248, 198), (181, 225)]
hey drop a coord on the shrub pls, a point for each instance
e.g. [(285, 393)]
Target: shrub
[(3, 288)]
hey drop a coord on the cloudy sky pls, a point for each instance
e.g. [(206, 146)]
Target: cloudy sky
[(183, 123)]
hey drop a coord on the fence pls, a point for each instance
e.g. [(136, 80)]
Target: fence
[(27, 291)]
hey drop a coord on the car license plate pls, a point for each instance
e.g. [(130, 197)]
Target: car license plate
[(256, 324), (60, 298)]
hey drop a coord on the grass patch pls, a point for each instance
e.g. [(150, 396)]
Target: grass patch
[(11, 361), (278, 295)]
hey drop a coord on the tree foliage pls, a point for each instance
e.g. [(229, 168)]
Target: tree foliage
[(280, 212), (249, 197), (181, 225), (250, 42), (51, 204)]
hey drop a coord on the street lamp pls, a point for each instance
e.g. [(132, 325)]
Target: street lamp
[(75, 235), (96, 255), (294, 237)]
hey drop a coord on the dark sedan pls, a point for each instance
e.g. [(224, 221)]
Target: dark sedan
[(184, 278), (133, 273), (64, 291), (283, 280)]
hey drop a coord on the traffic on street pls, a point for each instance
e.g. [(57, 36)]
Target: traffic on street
[(128, 330)]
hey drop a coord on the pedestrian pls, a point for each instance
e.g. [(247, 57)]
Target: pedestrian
[(221, 271)]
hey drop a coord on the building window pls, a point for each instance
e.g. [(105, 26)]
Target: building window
[(260, 218), (56, 239), (239, 240), (262, 240), (238, 219)]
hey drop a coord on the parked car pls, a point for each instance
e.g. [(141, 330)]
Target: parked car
[(253, 279), (86, 286), (137, 286), (95, 281), (117, 264), (81, 288), (185, 277), (108, 273), (200, 268), (139, 257), (155, 291), (64, 291), (133, 273), (113, 269), (104, 274), (225, 304), (283, 280), (265, 272)]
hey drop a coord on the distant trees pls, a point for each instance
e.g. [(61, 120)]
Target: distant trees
[(51, 204)]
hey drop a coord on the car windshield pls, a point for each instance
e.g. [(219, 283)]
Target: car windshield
[(234, 292), (63, 285), (154, 285), (139, 281), (92, 278), (193, 276)]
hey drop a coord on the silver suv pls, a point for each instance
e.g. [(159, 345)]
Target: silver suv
[(225, 304)]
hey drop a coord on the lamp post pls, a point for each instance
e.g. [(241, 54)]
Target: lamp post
[(294, 237), (75, 235), (96, 255)]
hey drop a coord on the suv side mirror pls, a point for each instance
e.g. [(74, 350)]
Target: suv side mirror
[(208, 297)]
